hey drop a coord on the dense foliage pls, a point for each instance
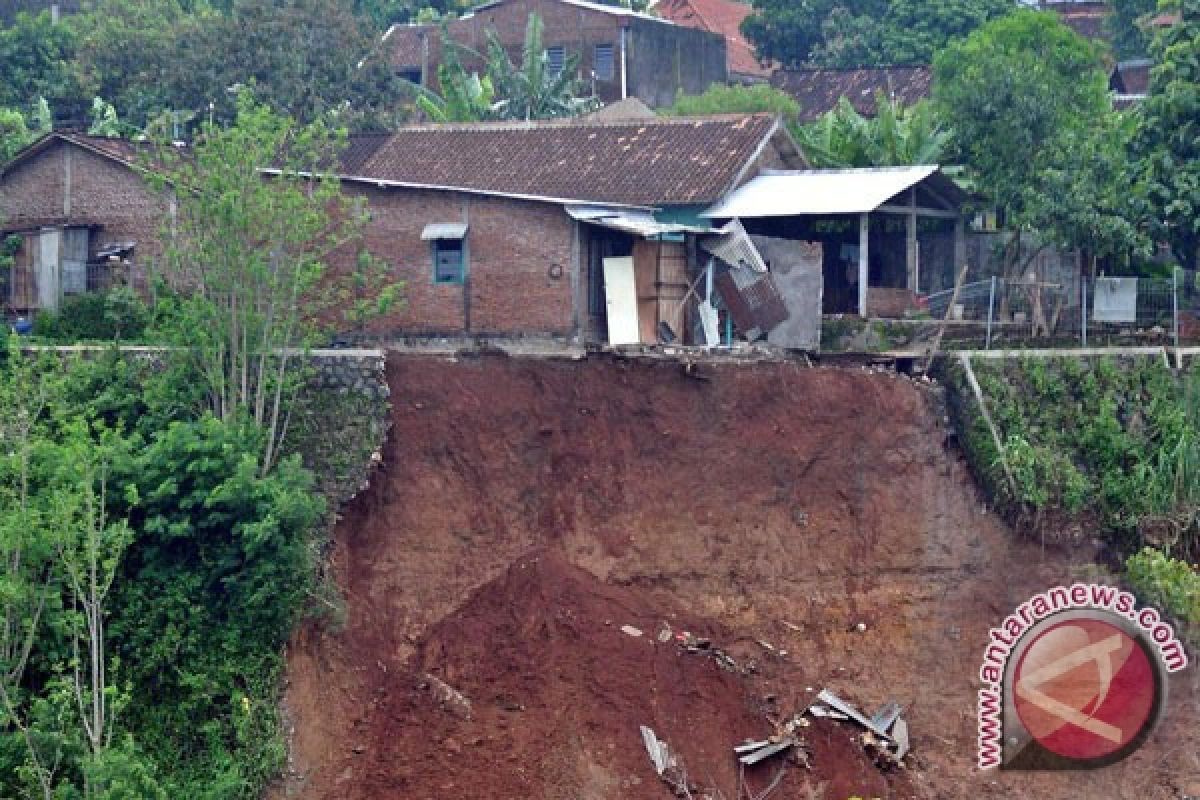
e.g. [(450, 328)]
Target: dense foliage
[(895, 136), (1126, 26), (526, 91), (1114, 447), (1034, 123), (203, 565), (851, 33), (1166, 148)]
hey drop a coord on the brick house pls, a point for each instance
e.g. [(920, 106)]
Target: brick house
[(723, 17), (502, 229), (621, 53), (83, 215)]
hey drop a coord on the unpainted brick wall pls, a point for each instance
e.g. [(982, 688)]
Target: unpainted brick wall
[(520, 262), (100, 192)]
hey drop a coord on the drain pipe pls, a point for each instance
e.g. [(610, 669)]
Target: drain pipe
[(624, 64)]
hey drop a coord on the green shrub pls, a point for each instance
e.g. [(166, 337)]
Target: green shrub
[(117, 314), (1170, 584)]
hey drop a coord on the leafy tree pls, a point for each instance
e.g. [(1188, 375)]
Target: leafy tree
[(721, 99), (505, 91), (465, 97), (36, 61), (126, 52), (1125, 26), (16, 130), (909, 32), (895, 136), (848, 33), (1166, 148), (251, 259), (1034, 124), (532, 91)]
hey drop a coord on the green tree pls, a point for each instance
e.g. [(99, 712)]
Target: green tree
[(849, 33), (251, 257), (1034, 124), (895, 136), (1124, 24), (1166, 148), (126, 52), (506, 90), (909, 32), (532, 90), (721, 99), (36, 60), (17, 130)]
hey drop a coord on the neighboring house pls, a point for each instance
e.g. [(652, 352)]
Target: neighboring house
[(503, 229), (818, 90), (1129, 82), (621, 53), (723, 17), (1088, 18), (85, 216)]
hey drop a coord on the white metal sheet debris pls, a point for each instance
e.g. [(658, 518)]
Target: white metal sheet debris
[(444, 230)]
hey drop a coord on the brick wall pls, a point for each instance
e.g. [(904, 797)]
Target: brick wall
[(99, 192), (662, 58), (521, 263)]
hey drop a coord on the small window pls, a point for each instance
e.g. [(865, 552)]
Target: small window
[(556, 59), (602, 62), (410, 74), (449, 261)]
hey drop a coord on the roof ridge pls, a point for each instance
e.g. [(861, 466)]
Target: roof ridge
[(574, 123), (864, 68)]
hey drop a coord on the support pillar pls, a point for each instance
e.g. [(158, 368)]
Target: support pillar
[(911, 254), (864, 228)]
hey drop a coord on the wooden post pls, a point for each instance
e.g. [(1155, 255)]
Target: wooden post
[(960, 241), (864, 228), (937, 341)]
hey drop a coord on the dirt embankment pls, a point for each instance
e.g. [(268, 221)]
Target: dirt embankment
[(527, 510)]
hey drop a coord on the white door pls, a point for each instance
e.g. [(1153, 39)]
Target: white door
[(46, 266), (620, 298)]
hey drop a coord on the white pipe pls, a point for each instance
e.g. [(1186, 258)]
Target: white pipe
[(624, 66)]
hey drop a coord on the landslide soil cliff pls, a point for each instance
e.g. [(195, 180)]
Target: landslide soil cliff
[(526, 510)]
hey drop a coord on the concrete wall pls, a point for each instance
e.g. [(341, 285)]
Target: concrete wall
[(522, 264), (664, 59)]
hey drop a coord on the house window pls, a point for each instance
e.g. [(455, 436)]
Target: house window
[(448, 242), (449, 261), (556, 59), (602, 62)]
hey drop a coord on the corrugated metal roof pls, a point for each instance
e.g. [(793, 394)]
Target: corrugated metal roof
[(444, 230), (733, 246), (813, 192), (627, 220)]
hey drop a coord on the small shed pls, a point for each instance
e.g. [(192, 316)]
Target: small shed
[(888, 234)]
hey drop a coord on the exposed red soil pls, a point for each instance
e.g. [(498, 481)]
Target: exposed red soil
[(526, 510)]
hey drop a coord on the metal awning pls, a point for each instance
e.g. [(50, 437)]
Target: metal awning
[(627, 220), (444, 230), (780, 193)]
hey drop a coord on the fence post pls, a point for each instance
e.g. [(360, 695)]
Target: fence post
[(1083, 308), (987, 345), (1175, 308)]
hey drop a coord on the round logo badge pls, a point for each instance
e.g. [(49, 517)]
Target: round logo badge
[(1087, 690)]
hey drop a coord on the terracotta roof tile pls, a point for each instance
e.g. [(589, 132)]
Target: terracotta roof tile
[(406, 44), (636, 162), (723, 17), (818, 90), (1131, 77)]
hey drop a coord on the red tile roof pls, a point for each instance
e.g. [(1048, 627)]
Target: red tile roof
[(818, 90), (723, 17), (666, 161)]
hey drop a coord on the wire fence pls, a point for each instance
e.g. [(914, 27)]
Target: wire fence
[(1160, 308)]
